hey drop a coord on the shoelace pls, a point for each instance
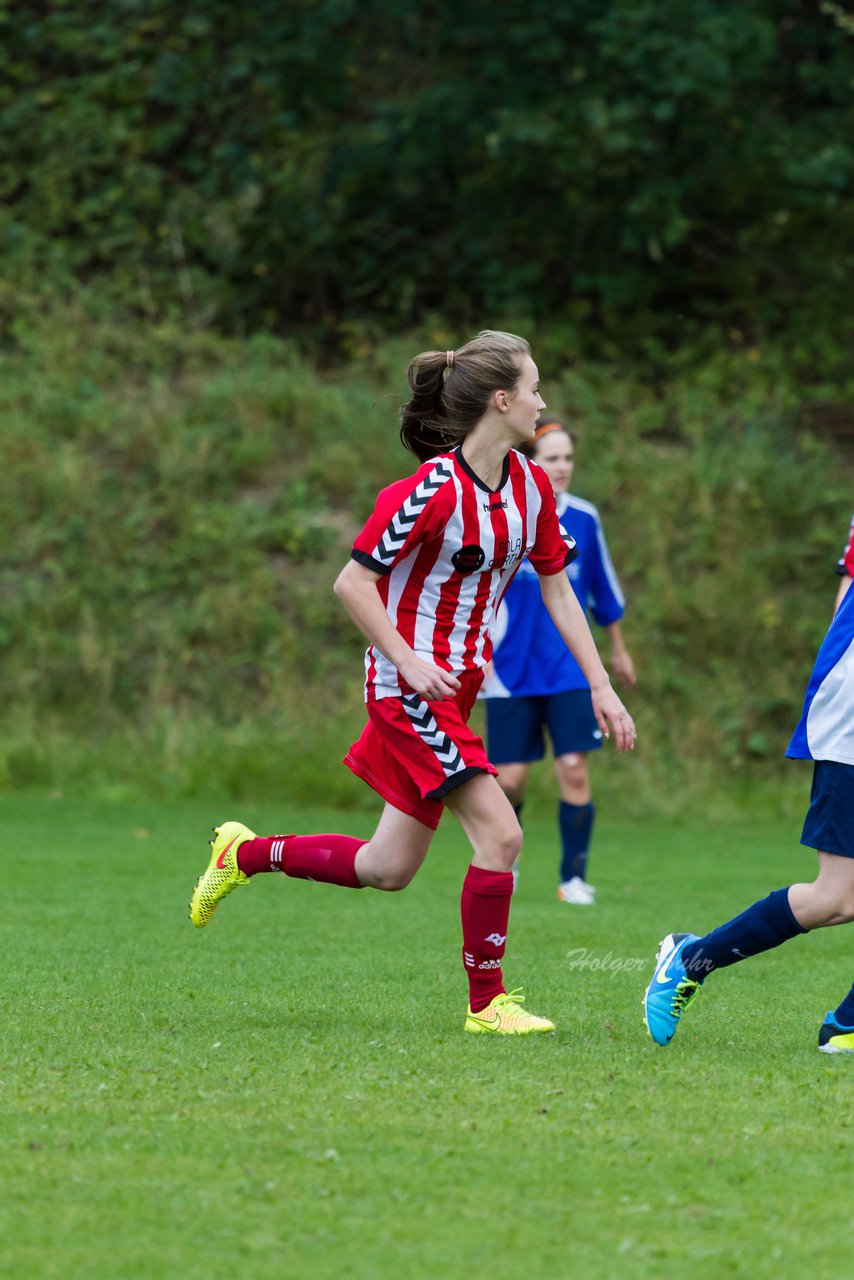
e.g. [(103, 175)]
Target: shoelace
[(686, 989), (507, 997)]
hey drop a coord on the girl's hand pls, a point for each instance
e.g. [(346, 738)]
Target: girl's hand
[(623, 668), (610, 713), (428, 680)]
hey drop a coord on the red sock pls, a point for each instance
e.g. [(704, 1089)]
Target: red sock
[(328, 859), (264, 853), (485, 910)]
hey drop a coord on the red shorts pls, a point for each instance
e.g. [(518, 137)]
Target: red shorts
[(414, 752)]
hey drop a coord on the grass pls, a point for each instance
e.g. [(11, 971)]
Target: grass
[(289, 1094), (176, 505)]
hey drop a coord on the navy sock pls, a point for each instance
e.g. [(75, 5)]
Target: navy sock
[(766, 924), (844, 1015), (576, 827)]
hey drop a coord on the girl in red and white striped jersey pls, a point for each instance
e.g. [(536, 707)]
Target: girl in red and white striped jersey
[(426, 576)]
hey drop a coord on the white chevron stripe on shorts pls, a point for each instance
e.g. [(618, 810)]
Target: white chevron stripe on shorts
[(424, 724)]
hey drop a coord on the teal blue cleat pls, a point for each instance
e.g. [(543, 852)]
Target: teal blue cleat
[(671, 990)]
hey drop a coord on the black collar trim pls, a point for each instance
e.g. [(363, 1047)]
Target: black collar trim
[(505, 471)]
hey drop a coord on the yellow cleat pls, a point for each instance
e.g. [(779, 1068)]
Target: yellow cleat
[(504, 1016), (833, 1038), (223, 874)]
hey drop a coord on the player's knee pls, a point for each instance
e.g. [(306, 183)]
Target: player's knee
[(393, 879), (572, 773), (843, 907), (837, 903), (510, 842)]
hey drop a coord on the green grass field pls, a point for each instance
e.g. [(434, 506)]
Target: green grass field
[(290, 1094)]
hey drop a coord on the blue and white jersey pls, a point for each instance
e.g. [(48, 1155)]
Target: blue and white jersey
[(530, 658), (826, 728)]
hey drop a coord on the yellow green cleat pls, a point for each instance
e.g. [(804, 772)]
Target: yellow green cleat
[(835, 1039), (504, 1016), (223, 874)]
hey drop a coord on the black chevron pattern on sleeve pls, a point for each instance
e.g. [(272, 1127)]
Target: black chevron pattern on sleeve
[(401, 523)]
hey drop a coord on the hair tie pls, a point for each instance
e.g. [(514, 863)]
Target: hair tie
[(449, 359)]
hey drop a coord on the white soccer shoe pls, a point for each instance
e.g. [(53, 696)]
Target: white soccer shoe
[(577, 892)]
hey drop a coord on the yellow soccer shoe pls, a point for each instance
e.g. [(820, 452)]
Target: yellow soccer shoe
[(504, 1016), (835, 1039), (223, 874)]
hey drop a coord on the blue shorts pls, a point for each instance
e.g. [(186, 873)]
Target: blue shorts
[(515, 726), (829, 824)]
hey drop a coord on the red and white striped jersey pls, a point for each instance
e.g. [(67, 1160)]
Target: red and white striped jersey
[(845, 564), (447, 548)]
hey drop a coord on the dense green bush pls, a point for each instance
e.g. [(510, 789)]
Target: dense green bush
[(636, 166), (175, 507)]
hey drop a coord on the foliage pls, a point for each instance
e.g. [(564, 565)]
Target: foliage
[(725, 522), (637, 167), (176, 506)]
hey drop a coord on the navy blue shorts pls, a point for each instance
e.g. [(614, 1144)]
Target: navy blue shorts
[(829, 824), (515, 727)]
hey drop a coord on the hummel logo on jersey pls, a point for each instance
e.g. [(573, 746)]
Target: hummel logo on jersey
[(497, 505), (497, 939)]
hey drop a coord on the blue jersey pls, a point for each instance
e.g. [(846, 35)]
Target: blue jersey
[(530, 658), (826, 728)]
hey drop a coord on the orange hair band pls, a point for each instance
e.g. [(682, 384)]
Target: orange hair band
[(547, 426)]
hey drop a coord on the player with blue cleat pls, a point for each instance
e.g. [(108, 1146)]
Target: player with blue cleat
[(824, 735), (671, 990)]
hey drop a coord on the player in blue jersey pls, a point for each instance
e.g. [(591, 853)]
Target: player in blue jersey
[(825, 735), (536, 686)]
